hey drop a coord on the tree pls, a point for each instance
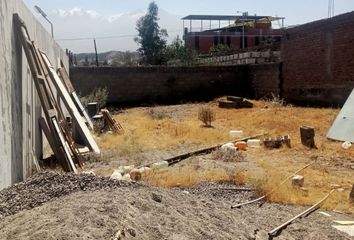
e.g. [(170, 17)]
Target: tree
[(177, 54), (150, 37), (221, 50)]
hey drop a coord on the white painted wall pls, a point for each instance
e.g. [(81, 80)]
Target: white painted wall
[(20, 108)]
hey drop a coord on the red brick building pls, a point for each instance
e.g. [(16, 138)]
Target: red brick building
[(234, 31)]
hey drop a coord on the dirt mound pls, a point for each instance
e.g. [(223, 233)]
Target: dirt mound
[(153, 213), (46, 186)]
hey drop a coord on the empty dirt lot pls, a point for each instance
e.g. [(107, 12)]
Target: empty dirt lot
[(192, 199)]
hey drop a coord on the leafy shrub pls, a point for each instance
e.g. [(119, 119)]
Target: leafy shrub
[(99, 95), (206, 115)]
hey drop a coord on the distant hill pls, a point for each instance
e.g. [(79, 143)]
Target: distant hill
[(111, 57)]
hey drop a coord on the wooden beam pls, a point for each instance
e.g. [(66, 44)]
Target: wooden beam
[(65, 77), (70, 105)]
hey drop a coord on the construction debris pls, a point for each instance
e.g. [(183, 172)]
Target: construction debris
[(55, 125), (235, 102), (254, 143), (242, 145), (66, 80), (273, 190), (92, 109), (307, 136), (110, 123), (236, 133), (229, 147), (276, 231), (277, 142), (346, 145), (298, 181), (343, 127)]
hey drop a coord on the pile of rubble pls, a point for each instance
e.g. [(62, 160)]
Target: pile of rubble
[(47, 186)]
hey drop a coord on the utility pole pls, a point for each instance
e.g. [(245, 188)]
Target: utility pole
[(44, 15), (94, 42), (243, 28), (331, 8)]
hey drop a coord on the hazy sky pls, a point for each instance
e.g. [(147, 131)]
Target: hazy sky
[(116, 18)]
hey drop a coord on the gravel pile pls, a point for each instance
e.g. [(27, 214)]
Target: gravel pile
[(46, 186), (222, 191)]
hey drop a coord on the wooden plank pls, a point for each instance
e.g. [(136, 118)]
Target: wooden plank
[(49, 136), (65, 77), (176, 159), (276, 231), (40, 83), (70, 105)]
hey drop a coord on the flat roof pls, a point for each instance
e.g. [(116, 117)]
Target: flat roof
[(229, 17)]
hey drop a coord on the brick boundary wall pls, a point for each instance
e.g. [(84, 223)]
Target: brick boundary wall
[(318, 61), (176, 84)]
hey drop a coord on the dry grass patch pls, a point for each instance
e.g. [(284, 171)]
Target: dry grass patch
[(146, 132), (318, 183), (191, 175), (152, 129)]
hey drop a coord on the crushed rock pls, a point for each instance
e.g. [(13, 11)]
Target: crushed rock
[(46, 186)]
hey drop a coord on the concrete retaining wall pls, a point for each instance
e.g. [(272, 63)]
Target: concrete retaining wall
[(175, 84), (20, 138)]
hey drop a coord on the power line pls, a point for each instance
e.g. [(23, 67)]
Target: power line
[(105, 37)]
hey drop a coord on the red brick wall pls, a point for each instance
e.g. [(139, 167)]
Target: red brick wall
[(318, 61)]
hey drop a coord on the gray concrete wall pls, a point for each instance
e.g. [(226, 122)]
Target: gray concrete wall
[(20, 137), (176, 84)]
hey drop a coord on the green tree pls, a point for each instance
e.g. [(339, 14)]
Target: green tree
[(177, 54), (221, 50), (151, 38)]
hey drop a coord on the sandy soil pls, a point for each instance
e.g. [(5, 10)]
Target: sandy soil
[(98, 211)]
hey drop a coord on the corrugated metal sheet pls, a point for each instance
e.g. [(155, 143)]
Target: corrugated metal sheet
[(343, 127)]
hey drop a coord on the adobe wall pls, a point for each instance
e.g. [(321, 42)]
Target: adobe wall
[(20, 137)]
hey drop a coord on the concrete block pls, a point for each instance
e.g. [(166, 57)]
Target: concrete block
[(256, 54), (246, 55), (276, 54), (298, 181), (250, 61), (265, 54), (260, 60)]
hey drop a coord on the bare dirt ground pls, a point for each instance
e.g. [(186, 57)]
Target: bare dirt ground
[(86, 208), (192, 199)]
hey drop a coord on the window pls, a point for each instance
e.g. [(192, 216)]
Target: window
[(196, 42), (216, 40), (257, 41), (221, 41), (228, 41), (241, 42)]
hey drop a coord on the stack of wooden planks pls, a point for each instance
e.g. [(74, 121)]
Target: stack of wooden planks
[(111, 123), (54, 124)]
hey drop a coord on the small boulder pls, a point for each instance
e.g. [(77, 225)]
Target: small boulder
[(117, 175), (156, 197), (351, 196)]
